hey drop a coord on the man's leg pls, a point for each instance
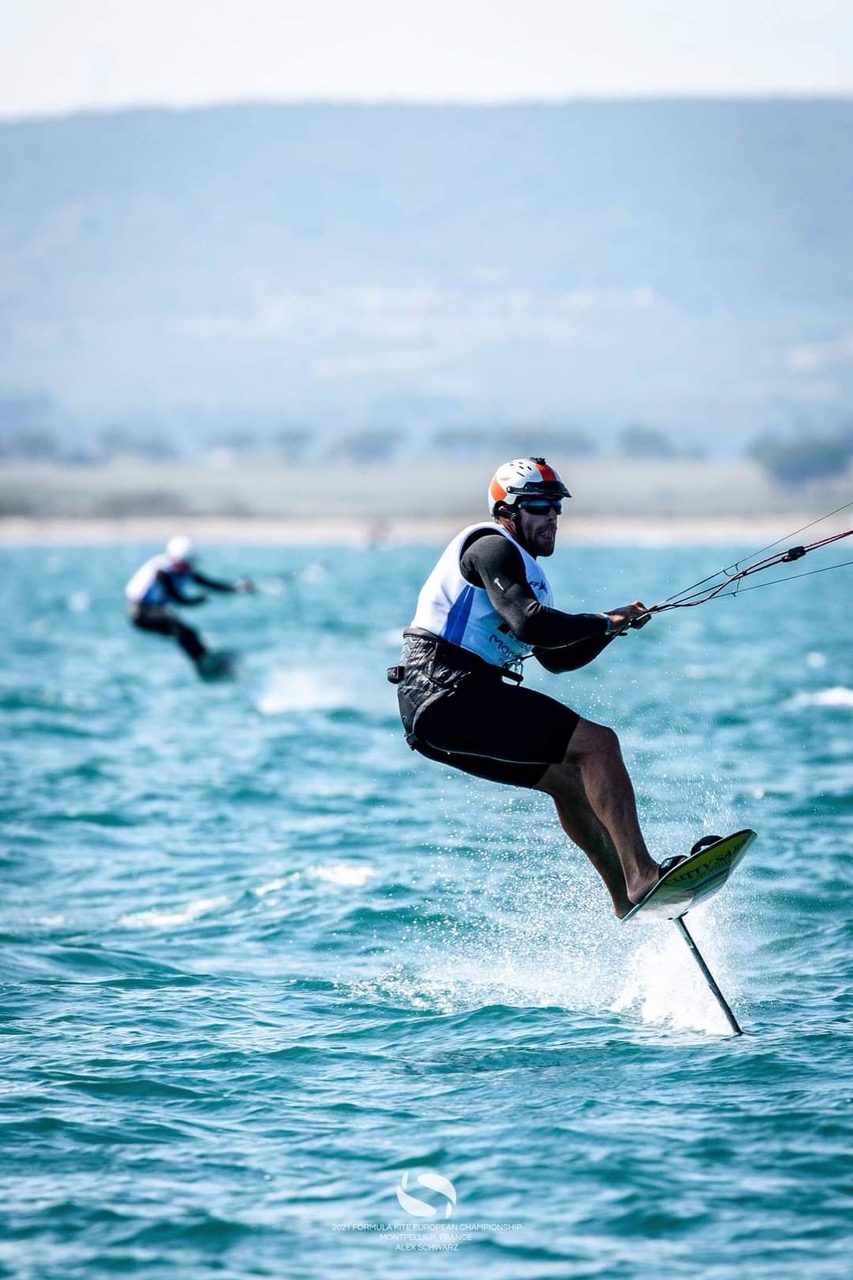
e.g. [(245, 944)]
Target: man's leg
[(498, 732), (595, 754), (565, 787), (164, 623), (189, 640)]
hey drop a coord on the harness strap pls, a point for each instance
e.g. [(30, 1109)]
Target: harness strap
[(454, 656)]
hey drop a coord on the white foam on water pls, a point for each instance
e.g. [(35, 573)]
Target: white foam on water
[(298, 689), (351, 875), (313, 573), (272, 886), (170, 919), (838, 696)]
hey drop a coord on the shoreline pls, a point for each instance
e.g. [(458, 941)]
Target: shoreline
[(359, 531)]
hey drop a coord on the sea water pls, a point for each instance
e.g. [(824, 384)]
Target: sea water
[(279, 998)]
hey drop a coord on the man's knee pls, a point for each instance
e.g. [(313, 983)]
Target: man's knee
[(593, 740)]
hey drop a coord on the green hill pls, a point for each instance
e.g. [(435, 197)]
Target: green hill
[(307, 271)]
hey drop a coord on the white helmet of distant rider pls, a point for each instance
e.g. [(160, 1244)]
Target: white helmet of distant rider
[(524, 480), (181, 550)]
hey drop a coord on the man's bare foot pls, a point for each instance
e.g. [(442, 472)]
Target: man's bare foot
[(639, 887), (636, 895)]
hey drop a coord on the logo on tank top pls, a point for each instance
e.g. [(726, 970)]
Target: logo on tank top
[(508, 654)]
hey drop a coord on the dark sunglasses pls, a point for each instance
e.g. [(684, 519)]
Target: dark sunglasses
[(541, 506)]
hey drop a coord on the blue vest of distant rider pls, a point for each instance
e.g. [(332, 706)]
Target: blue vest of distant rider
[(144, 587)]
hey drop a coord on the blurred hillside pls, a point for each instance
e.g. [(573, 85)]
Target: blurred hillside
[(374, 283), (128, 489)]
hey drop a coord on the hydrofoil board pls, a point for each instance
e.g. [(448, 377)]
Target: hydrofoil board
[(700, 876), (217, 664)]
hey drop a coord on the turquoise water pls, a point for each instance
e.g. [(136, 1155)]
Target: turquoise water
[(260, 964)]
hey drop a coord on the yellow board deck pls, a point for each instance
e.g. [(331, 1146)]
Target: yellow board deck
[(699, 877)]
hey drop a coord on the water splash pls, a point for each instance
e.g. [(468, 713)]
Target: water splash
[(297, 689), (663, 986)]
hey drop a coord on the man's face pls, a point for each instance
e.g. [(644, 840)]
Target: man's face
[(537, 528)]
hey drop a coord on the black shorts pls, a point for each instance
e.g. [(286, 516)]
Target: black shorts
[(497, 731)]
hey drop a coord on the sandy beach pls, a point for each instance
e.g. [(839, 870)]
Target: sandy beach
[(353, 531), (616, 501)]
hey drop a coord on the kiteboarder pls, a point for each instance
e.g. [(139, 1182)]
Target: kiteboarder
[(486, 606), (161, 583)]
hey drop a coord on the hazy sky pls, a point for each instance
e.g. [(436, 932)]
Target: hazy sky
[(61, 55)]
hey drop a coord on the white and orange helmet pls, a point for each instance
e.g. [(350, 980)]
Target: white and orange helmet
[(524, 478)]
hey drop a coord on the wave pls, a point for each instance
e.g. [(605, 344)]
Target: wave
[(171, 918), (838, 696)]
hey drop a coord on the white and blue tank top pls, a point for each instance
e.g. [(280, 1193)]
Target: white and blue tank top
[(460, 613), (144, 587)]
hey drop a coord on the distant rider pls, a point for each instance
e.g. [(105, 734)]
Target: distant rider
[(161, 583)]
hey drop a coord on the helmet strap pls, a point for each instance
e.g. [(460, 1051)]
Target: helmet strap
[(509, 518)]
